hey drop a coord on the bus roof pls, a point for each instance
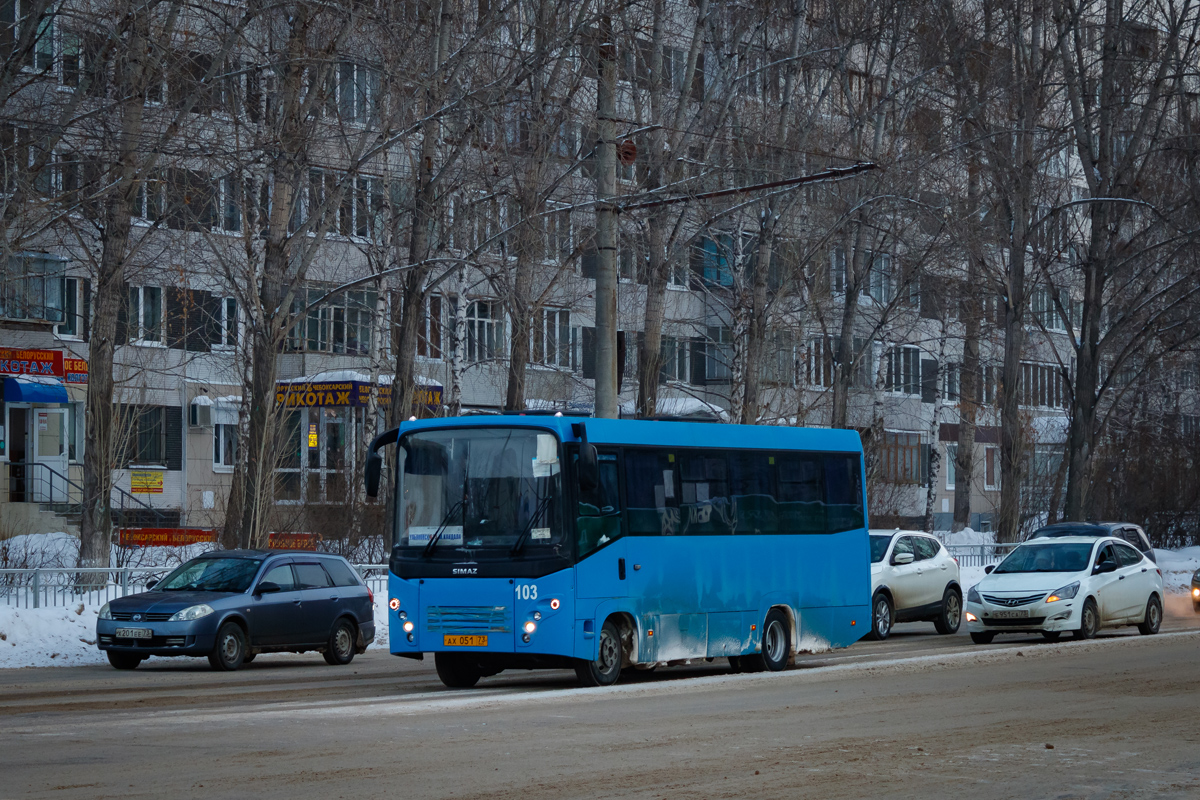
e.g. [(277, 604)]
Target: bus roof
[(663, 434)]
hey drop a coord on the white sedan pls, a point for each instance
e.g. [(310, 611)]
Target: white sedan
[(1077, 584)]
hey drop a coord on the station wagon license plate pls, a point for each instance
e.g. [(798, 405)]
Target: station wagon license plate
[(134, 633), (1010, 614), (464, 641)]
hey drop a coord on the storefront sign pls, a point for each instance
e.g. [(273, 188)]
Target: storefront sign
[(76, 370), (146, 481), (165, 537), (349, 393), (312, 436), (31, 362), (293, 541)]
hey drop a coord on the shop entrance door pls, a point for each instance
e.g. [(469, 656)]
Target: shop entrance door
[(48, 482)]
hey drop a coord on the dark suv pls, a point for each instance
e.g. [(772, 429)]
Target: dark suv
[(231, 605), (1122, 530)]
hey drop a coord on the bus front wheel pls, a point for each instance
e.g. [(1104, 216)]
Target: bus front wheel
[(456, 671), (605, 670)]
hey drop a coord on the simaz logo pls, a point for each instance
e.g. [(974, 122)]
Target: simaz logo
[(465, 571)]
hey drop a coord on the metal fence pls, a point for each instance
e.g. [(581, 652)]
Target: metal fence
[(45, 588), (979, 555)]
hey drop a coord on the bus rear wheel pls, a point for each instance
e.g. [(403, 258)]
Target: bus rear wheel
[(456, 671), (605, 670)]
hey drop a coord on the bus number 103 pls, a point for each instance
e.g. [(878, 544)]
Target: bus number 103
[(527, 591)]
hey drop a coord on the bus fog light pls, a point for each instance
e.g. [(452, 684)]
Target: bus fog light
[(408, 626), (554, 604), (525, 638), (410, 637), (537, 615), (530, 627), (403, 615)]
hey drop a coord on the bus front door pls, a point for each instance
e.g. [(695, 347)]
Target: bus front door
[(601, 570)]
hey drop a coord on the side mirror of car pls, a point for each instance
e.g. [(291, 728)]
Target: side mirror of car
[(902, 558), (150, 584), (1104, 567), (267, 587), (988, 569)]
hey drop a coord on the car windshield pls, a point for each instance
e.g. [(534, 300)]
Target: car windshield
[(879, 546), (212, 575), (492, 492), (1065, 557)]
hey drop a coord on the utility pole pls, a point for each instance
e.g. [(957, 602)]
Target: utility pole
[(606, 225)]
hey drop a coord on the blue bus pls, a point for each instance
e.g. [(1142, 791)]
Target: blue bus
[(526, 542)]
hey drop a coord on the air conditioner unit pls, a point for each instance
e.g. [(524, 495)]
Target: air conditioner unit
[(201, 416)]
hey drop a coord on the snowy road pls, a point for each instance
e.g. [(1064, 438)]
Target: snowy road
[(916, 716)]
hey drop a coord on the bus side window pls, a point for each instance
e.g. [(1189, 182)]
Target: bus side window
[(801, 494), (598, 520), (843, 493), (754, 506), (705, 507), (651, 495)]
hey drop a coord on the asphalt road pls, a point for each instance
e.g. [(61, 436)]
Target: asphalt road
[(919, 715)]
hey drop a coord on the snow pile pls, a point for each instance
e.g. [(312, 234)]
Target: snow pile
[(46, 637), (39, 551), (966, 536), (1177, 567)]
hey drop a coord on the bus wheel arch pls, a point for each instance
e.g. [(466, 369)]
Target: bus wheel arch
[(605, 669), (628, 630)]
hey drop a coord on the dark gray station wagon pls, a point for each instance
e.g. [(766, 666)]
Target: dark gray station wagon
[(231, 605)]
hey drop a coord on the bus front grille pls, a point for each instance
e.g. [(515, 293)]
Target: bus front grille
[(492, 619)]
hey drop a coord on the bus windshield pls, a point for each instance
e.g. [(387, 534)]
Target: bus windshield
[(482, 492)]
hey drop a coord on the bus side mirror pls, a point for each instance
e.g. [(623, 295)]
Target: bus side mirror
[(374, 466), (588, 467)]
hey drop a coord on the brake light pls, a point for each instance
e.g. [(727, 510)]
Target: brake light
[(370, 595), (956, 561)]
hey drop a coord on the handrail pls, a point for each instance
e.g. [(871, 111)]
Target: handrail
[(124, 495)]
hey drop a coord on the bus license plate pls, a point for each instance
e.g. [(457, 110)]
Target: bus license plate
[(464, 641), (134, 633), (1010, 614)]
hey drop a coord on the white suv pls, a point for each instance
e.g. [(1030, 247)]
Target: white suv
[(913, 578)]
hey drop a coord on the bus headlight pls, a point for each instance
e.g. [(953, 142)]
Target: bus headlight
[(408, 626), (530, 626)]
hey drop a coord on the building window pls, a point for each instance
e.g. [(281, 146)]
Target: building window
[(819, 361), (880, 278), (559, 244), (951, 457), (73, 308), (230, 203), (1042, 385), (991, 468), (225, 442), (837, 270), (903, 458), (485, 331), (431, 327), (341, 324), (551, 337), (779, 358), (145, 314), (674, 355), (719, 361), (903, 370), (33, 288), (1190, 425), (354, 92), (950, 384), (1044, 310), (711, 259), (228, 322), (147, 436)]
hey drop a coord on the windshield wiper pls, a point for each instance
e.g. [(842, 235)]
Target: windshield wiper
[(433, 540), (537, 514)]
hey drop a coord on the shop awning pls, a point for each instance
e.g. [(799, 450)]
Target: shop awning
[(31, 389)]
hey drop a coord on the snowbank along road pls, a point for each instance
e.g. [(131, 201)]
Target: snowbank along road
[(914, 716)]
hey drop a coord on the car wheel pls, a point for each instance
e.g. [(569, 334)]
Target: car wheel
[(124, 660), (229, 652), (1089, 621), (340, 649), (1051, 636), (881, 617), (776, 645), (982, 637), (456, 671), (951, 616), (1150, 625), (605, 670)]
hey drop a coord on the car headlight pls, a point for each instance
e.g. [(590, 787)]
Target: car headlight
[(105, 612), (192, 612), (1065, 593), (973, 596)]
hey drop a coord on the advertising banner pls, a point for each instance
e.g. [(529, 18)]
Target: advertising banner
[(164, 537), (146, 481), (31, 362)]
